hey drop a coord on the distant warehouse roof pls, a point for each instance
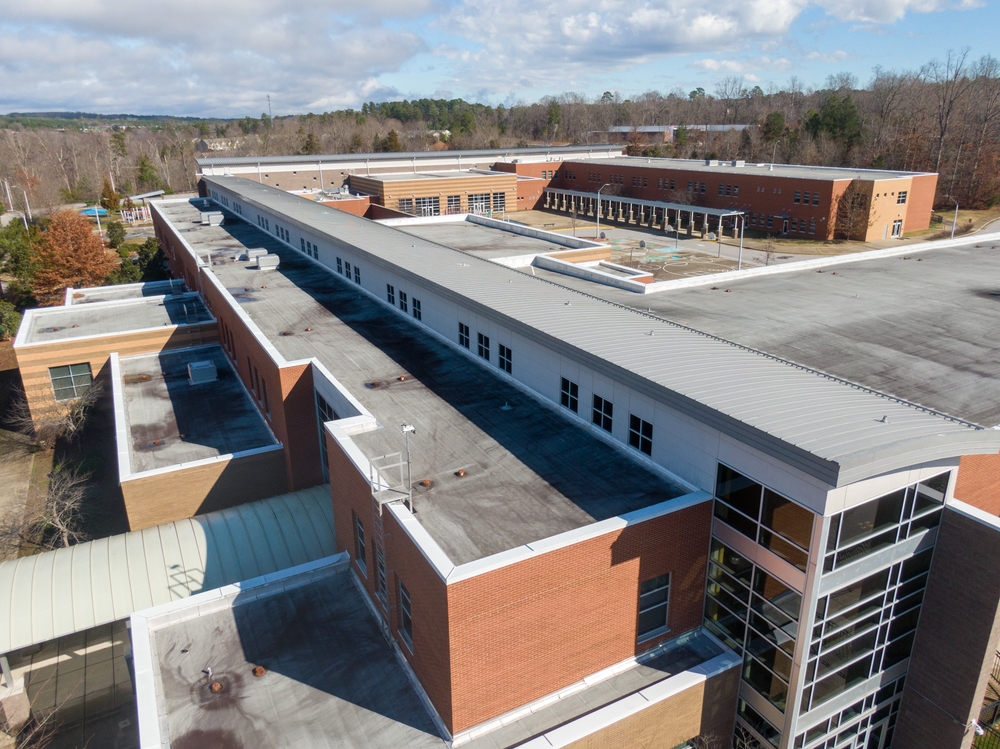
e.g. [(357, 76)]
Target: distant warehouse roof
[(69, 590)]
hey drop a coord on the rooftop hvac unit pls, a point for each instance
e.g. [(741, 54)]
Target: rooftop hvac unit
[(251, 254), (200, 372), (211, 218), (738, 163), (267, 262), (711, 162)]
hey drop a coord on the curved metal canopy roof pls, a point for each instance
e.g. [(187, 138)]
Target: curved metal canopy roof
[(69, 590)]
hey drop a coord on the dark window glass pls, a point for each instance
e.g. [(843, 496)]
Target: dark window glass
[(483, 346), (738, 491), (569, 395), (70, 381), (654, 601), (777, 593), (918, 564), (724, 624), (783, 516), (359, 544), (743, 524), (765, 682), (463, 335), (417, 309), (758, 723), (849, 651), (854, 593), (640, 434), (403, 301), (720, 577), (871, 517), (837, 682), (390, 294), (603, 412), (735, 564), (405, 616), (783, 548), (505, 359)]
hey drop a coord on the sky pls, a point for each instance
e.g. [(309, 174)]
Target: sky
[(222, 58)]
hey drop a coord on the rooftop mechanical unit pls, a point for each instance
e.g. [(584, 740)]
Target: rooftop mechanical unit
[(267, 262), (211, 218), (200, 372)]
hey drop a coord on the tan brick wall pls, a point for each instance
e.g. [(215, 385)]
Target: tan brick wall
[(583, 256), (173, 495), (920, 202), (34, 361), (388, 193), (979, 482), (956, 638), (707, 709)]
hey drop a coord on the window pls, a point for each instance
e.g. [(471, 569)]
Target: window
[(569, 395), (405, 205), (359, 544), (463, 335), (815, 198), (267, 403), (805, 198), (454, 203), (416, 309), (390, 294), (721, 188), (798, 197), (347, 270), (901, 198), (728, 190), (499, 202), (736, 191), (340, 266), (812, 227), (357, 274), (691, 186), (380, 586), (795, 224), (603, 411), (405, 617), (402, 301), (302, 242), (671, 184), (702, 188), (484, 346), (770, 222), (71, 381), (505, 359), (428, 206), (654, 600), (640, 434), (479, 203)]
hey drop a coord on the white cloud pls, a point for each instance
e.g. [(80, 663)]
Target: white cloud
[(879, 11)]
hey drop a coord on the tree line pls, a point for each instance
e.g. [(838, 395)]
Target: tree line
[(942, 117)]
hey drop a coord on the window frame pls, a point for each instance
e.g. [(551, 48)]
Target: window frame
[(569, 395), (602, 415), (463, 335), (416, 308), (483, 346), (359, 544), (404, 302), (390, 294), (505, 358), (640, 434), (405, 628), (651, 594), (78, 389)]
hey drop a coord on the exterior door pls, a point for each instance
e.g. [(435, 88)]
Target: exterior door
[(897, 227)]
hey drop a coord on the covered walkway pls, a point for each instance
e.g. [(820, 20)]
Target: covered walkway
[(653, 214)]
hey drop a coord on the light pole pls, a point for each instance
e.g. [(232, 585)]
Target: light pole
[(28, 207), (955, 222), (739, 262), (598, 237)]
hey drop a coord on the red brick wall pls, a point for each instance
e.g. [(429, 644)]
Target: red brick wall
[(979, 482), (531, 628), (531, 193), (491, 643), (356, 207), (430, 657), (292, 414)]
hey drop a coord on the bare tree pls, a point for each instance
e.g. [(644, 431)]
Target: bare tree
[(987, 79), (55, 423), (950, 84), (852, 219), (769, 249), (54, 525)]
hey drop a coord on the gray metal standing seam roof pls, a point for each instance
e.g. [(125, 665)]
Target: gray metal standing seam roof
[(835, 430), (478, 154), (98, 582)]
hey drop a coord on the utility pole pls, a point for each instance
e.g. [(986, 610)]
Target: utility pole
[(10, 202), (739, 263), (112, 178), (955, 222), (28, 207), (269, 107)]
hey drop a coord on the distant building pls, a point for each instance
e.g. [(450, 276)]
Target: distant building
[(667, 133), (208, 145)]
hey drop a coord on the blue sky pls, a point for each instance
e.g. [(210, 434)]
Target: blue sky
[(222, 57)]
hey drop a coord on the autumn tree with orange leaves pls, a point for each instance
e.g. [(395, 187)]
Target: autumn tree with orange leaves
[(69, 254)]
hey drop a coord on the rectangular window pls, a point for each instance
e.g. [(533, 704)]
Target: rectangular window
[(484, 346), (454, 203), (812, 227), (798, 197), (380, 586), (603, 411), (702, 188), (316, 251), (795, 224), (428, 206), (357, 274), (405, 205), (815, 198), (671, 184), (640, 434), (416, 309), (347, 270), (690, 186), (390, 294), (654, 601), (359, 544), (722, 189), (405, 617), (569, 395), (302, 242), (403, 302), (729, 190), (71, 381), (506, 359), (340, 266), (267, 403), (499, 202), (736, 191), (770, 222), (479, 202), (463, 335), (805, 198)]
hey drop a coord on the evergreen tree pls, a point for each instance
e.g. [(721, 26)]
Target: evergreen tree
[(115, 234), (109, 198), (311, 144), (391, 142)]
